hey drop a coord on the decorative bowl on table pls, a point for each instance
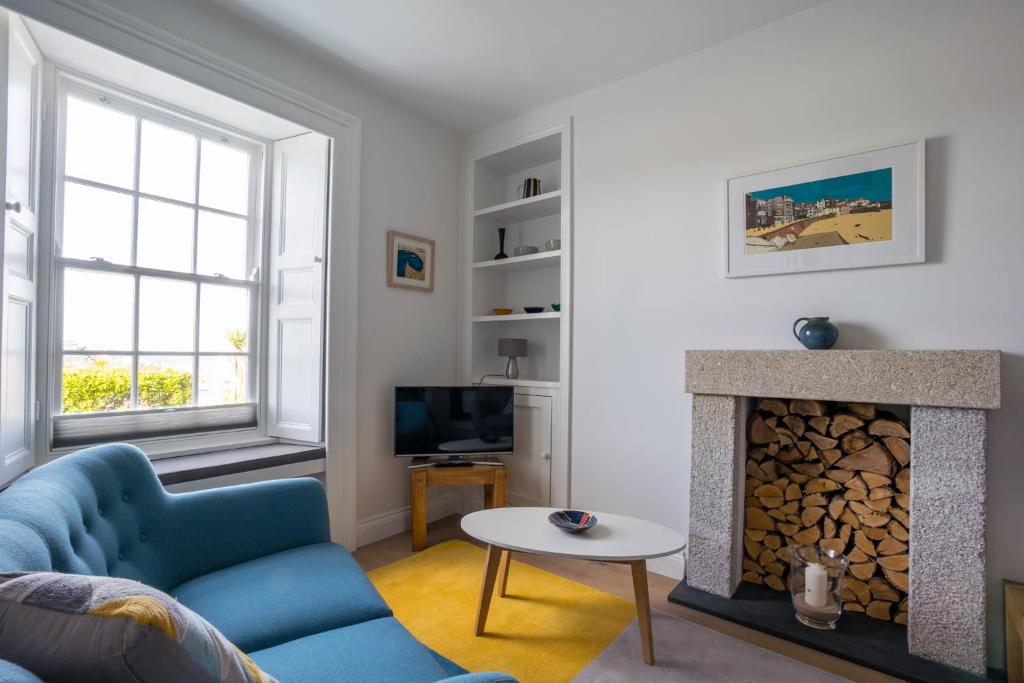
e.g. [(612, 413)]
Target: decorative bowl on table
[(573, 521), (501, 311), (533, 309)]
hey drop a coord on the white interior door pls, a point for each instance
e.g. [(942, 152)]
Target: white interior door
[(529, 467), (295, 377), (18, 322)]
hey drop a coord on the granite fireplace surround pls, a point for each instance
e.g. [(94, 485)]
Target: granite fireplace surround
[(949, 393)]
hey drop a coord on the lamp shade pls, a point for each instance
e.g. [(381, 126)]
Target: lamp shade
[(511, 347)]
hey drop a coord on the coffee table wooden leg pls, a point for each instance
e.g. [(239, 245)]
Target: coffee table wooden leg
[(419, 509), (487, 589), (506, 560), (643, 608)]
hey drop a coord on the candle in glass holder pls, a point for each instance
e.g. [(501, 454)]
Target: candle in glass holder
[(816, 586)]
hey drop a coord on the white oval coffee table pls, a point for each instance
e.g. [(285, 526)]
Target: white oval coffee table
[(615, 538)]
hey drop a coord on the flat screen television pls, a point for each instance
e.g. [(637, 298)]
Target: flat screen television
[(453, 421)]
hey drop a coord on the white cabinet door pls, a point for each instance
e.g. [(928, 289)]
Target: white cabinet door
[(18, 321), (296, 283), (529, 467)]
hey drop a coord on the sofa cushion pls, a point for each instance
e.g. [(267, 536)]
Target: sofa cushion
[(80, 629), (287, 595), (380, 650)]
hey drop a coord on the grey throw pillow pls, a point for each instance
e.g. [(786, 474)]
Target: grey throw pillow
[(68, 627)]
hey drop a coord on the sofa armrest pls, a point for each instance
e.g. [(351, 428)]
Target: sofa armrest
[(220, 527), (482, 677)]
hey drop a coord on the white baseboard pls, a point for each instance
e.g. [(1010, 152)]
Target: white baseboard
[(672, 566), (393, 522), (471, 502)]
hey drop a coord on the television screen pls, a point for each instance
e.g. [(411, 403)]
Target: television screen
[(453, 421)]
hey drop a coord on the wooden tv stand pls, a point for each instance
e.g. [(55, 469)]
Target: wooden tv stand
[(493, 478)]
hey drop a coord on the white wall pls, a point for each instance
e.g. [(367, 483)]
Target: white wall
[(651, 155), (409, 182)]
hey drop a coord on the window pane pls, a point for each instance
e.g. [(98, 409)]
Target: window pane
[(221, 245), (97, 310), (224, 178), (165, 236), (223, 318), (97, 223), (96, 384), (165, 381), (223, 379), (167, 315), (100, 144), (168, 163)]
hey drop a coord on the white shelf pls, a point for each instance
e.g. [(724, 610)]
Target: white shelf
[(519, 210), (543, 150), (522, 382), (543, 259), (547, 315)]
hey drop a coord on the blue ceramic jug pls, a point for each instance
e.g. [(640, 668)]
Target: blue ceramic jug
[(817, 333)]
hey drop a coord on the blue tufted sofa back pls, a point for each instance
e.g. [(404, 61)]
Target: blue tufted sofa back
[(101, 511)]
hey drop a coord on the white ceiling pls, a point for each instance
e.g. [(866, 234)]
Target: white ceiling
[(472, 63)]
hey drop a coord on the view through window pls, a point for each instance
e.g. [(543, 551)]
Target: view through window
[(157, 242)]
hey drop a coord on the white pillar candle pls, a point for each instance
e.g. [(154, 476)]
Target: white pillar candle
[(815, 586)]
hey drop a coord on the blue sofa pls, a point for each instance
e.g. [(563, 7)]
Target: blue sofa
[(255, 560)]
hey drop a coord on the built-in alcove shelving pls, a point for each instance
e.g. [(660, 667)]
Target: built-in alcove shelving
[(539, 470), (542, 279)]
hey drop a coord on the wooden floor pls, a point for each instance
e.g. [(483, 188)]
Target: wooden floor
[(615, 578)]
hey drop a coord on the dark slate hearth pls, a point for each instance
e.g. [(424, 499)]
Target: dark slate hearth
[(879, 645)]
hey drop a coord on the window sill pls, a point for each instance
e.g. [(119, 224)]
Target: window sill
[(197, 466)]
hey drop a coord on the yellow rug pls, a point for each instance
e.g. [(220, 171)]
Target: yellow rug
[(545, 630)]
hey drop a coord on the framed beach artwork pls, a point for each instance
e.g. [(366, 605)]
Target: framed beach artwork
[(853, 211), (410, 261)]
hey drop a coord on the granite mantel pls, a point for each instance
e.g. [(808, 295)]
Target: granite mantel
[(949, 394), (945, 379)]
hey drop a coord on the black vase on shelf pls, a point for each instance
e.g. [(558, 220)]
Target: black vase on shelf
[(501, 245)]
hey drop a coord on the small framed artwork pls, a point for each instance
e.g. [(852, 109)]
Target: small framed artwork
[(410, 261), (853, 211)]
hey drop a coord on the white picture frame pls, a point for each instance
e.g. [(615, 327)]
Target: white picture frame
[(417, 273), (858, 228)]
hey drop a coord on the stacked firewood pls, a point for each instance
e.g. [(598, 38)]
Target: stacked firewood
[(837, 476)]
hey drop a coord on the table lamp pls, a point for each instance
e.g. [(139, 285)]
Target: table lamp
[(513, 348)]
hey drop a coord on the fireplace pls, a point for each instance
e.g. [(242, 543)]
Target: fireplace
[(936, 584)]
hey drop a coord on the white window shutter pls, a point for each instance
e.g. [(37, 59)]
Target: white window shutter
[(21, 104), (295, 282)]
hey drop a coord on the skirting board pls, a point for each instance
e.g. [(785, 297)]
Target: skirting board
[(394, 522), (672, 566)]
